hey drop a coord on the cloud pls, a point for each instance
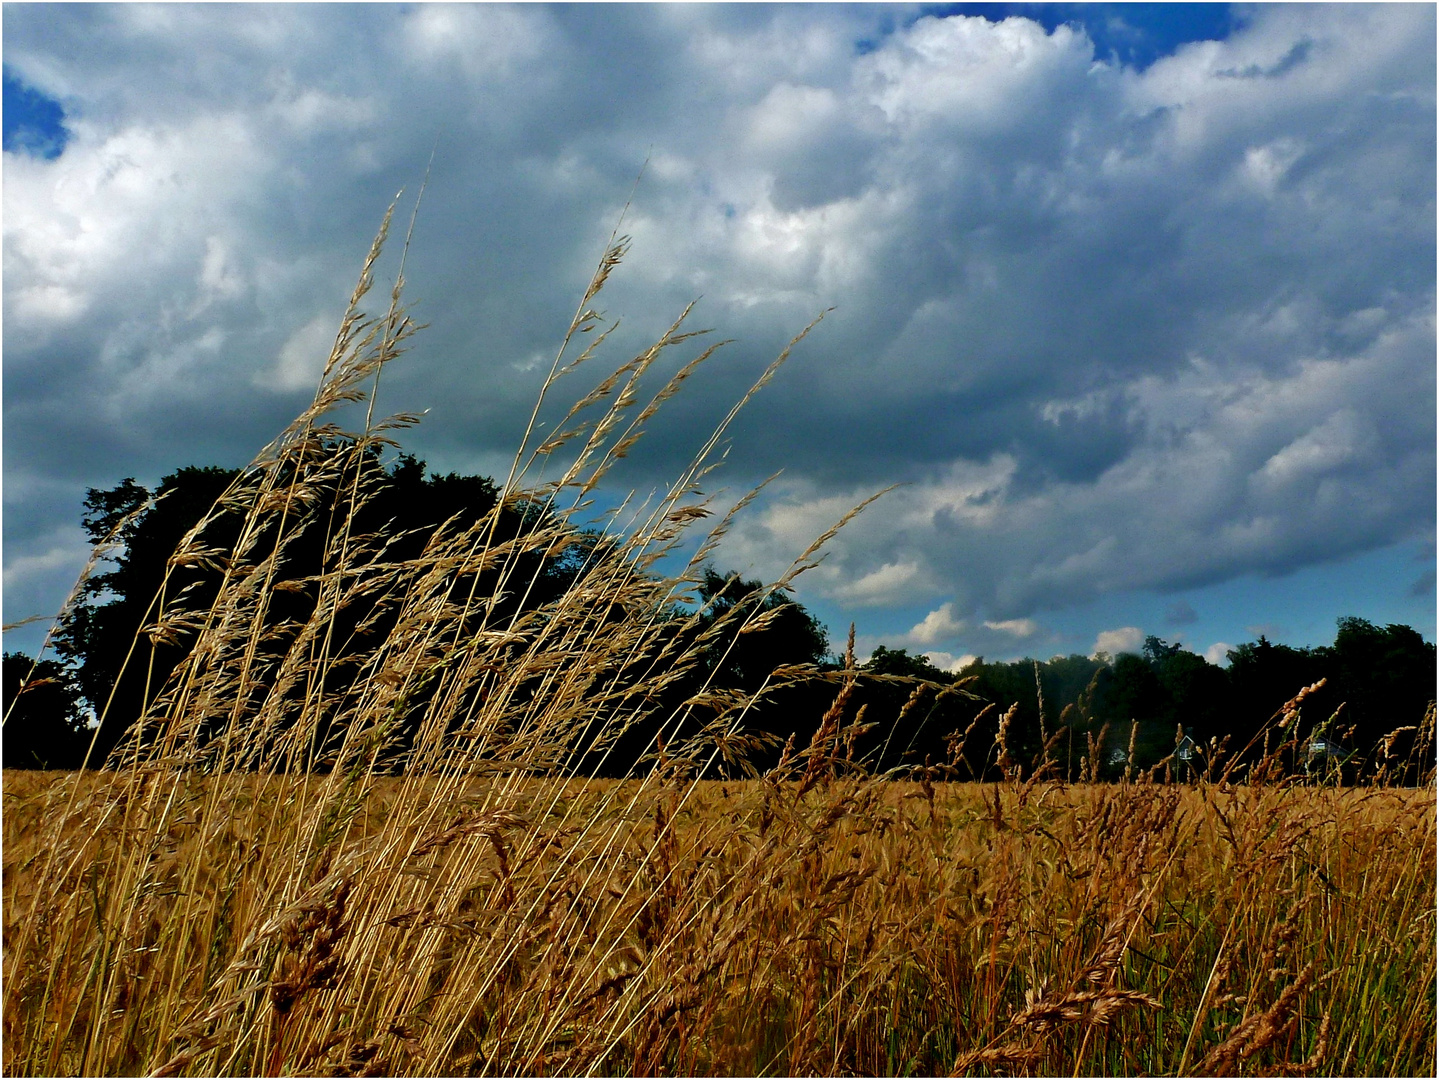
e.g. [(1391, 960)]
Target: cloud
[(1423, 585), (1325, 448), (1181, 613), (62, 557), (882, 586), (1125, 639), (1218, 653), (1020, 628), (1202, 501), (302, 358), (949, 662), (488, 45), (1114, 329), (939, 625), (38, 579)]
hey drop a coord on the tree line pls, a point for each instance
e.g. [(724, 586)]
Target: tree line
[(1108, 716), (1085, 716)]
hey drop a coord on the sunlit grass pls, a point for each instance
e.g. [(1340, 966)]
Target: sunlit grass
[(734, 928)]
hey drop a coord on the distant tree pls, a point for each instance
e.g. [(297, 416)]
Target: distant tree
[(1154, 697), (1157, 650), (1263, 676), (45, 724), (910, 725), (1128, 703), (119, 668), (98, 635), (1377, 679), (1198, 698), (791, 634), (104, 635), (886, 661), (1385, 676), (1064, 680), (1061, 682), (788, 635)]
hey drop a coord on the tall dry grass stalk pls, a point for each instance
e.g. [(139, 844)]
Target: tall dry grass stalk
[(247, 890)]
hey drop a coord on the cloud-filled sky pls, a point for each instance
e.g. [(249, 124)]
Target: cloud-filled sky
[(1136, 302)]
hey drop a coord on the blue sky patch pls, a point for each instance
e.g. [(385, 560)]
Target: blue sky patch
[(34, 124), (1132, 34)]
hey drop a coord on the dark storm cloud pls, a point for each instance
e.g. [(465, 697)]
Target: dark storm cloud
[(1118, 327), (1181, 614)]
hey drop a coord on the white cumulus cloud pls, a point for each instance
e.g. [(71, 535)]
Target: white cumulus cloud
[(939, 625), (949, 662), (1124, 639)]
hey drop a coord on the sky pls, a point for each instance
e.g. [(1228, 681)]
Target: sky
[(1136, 303)]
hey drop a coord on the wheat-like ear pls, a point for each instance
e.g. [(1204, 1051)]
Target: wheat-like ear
[(583, 321)]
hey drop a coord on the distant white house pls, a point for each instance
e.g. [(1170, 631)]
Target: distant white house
[(1186, 754), (1323, 756)]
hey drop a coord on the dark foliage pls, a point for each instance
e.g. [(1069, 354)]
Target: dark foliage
[(44, 723), (911, 727), (1124, 713), (745, 663), (791, 635), (120, 669), (1143, 704), (1377, 680), (98, 635), (1062, 680)]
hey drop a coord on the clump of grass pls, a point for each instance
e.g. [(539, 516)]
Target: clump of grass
[(325, 854)]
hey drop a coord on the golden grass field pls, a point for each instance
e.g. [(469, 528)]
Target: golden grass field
[(524, 926), (244, 892)]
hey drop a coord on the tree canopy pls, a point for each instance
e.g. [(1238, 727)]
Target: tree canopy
[(1376, 680), (1130, 710), (114, 660), (45, 724), (119, 655)]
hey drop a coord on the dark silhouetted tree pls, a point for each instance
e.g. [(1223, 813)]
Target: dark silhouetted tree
[(1385, 676), (45, 724), (791, 634), (1263, 676), (120, 669), (787, 635), (98, 635), (907, 733)]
